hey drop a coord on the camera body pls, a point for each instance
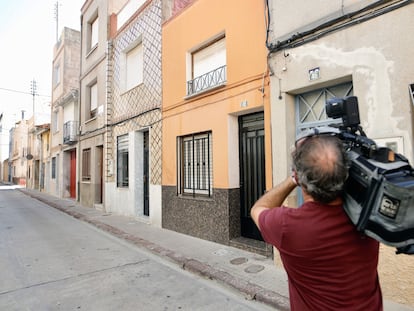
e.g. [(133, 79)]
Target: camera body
[(345, 108), (379, 191)]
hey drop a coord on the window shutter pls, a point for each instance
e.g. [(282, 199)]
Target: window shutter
[(209, 58), (134, 67)]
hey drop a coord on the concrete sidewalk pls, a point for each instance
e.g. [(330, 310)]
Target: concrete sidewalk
[(253, 275)]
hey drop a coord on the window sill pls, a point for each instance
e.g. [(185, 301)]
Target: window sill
[(91, 50), (90, 120), (126, 91)]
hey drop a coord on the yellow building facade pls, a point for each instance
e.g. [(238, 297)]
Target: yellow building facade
[(216, 119)]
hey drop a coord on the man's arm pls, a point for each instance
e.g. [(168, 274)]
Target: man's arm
[(273, 198)]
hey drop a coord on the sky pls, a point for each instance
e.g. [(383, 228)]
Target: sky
[(27, 36)]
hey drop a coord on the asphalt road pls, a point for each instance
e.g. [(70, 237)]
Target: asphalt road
[(51, 261)]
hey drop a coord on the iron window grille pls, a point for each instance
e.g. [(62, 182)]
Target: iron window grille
[(207, 81), (195, 164), (310, 106)]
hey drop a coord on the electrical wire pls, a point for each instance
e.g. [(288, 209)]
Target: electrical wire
[(267, 22), (21, 92), (356, 17)]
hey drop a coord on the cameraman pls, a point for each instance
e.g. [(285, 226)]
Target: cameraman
[(330, 266)]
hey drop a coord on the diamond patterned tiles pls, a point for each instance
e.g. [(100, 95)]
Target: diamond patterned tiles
[(151, 121), (139, 107)]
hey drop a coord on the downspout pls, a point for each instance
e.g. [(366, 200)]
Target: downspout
[(78, 150)]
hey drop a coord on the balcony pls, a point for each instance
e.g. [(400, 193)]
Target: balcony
[(70, 132), (210, 80)]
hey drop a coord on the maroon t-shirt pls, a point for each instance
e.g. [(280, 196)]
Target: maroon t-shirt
[(330, 265)]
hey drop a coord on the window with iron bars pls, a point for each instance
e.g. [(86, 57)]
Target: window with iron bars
[(195, 164), (86, 164)]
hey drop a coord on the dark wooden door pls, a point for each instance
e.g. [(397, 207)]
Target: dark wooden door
[(146, 172), (73, 174), (252, 169)]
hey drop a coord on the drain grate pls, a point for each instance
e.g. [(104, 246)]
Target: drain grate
[(238, 261)]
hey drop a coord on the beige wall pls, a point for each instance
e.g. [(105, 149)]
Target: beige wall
[(45, 160), (19, 161), (297, 16), (93, 63), (88, 189), (93, 68), (64, 96), (34, 150), (5, 170)]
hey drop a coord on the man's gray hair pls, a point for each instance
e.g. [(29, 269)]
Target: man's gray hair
[(321, 167)]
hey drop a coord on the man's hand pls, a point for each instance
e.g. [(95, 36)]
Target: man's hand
[(273, 198)]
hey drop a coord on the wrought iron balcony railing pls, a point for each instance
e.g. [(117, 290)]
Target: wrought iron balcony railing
[(207, 81), (70, 132)]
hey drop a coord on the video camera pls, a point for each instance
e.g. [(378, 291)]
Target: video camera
[(379, 191)]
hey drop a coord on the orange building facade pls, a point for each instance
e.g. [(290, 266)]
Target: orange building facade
[(216, 153)]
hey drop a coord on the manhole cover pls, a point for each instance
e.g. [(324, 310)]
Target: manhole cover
[(238, 261), (254, 268)]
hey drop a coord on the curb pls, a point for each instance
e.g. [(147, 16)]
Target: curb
[(252, 291)]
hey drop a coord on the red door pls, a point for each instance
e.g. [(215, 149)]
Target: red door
[(73, 174)]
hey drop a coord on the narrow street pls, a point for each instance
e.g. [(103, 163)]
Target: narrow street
[(51, 261)]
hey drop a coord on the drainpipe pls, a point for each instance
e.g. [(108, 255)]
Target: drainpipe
[(78, 150)]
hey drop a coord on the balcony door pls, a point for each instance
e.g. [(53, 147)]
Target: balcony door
[(72, 185)]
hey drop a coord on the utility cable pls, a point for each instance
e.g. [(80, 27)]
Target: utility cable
[(21, 92)]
